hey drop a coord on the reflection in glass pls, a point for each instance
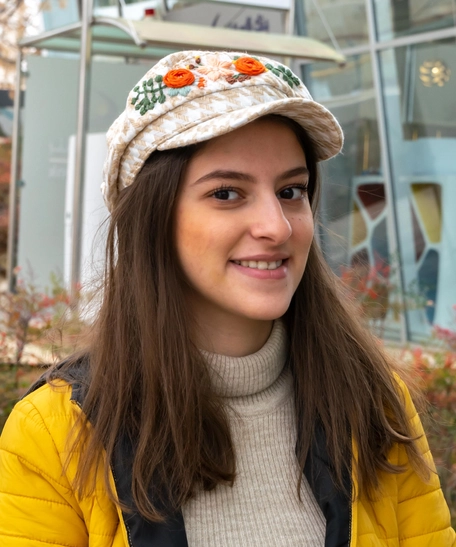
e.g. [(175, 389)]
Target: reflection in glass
[(352, 178), (346, 21), (354, 208), (401, 17), (421, 125)]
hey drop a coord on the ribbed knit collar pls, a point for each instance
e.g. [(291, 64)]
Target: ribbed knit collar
[(252, 374)]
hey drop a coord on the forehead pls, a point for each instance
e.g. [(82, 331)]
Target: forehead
[(263, 152), (266, 140)]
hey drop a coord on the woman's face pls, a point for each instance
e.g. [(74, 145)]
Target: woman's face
[(244, 224)]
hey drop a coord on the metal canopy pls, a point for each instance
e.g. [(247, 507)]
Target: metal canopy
[(150, 38)]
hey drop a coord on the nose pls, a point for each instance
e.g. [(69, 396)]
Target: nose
[(267, 220)]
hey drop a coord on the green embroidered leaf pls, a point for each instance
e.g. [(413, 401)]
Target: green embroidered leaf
[(143, 111), (133, 101), (136, 89), (161, 99), (150, 82), (288, 80), (269, 66), (184, 91), (276, 72), (289, 73), (159, 78)]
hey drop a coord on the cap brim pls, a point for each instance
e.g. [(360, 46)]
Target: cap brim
[(321, 126)]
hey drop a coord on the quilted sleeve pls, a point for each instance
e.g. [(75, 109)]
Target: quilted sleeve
[(423, 515), (37, 505)]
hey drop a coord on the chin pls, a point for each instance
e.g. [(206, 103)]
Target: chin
[(270, 313)]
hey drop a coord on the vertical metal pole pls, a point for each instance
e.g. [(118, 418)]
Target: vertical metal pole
[(13, 222), (82, 124), (290, 18), (301, 23), (386, 163)]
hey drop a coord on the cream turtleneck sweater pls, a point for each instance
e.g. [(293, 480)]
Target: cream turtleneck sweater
[(262, 509)]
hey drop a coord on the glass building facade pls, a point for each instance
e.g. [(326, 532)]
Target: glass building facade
[(388, 208)]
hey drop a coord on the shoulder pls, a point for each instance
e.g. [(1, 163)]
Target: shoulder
[(413, 418), (38, 465), (48, 412), (45, 416)]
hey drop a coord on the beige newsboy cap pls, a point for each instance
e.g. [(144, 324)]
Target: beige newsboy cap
[(193, 96)]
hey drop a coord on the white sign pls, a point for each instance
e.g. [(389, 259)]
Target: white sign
[(216, 14)]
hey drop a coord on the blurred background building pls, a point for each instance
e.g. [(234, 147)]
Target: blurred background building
[(387, 208), (390, 198)]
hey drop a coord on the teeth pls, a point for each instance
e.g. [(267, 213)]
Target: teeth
[(259, 264)]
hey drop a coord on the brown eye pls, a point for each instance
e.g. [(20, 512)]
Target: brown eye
[(293, 192), (225, 194), (222, 194)]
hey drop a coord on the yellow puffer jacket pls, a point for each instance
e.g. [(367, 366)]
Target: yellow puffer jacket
[(39, 508)]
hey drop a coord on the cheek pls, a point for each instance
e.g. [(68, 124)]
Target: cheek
[(303, 230), (189, 240), (200, 244)]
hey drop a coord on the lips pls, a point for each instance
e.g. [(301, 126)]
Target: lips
[(262, 269), (259, 264)]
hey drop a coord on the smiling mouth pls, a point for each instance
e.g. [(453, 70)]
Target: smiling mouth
[(259, 264)]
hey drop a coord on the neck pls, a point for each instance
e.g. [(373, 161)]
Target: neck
[(234, 337)]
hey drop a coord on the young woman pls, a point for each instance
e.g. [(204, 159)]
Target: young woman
[(229, 396)]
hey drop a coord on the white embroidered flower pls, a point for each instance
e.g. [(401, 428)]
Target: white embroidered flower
[(216, 68)]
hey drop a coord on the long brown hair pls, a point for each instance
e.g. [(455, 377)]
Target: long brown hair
[(150, 382)]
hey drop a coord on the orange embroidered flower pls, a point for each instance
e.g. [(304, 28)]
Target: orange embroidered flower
[(249, 65), (179, 77), (201, 82)]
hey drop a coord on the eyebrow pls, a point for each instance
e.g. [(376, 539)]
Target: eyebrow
[(225, 174)]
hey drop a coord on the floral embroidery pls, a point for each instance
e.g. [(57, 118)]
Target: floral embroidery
[(180, 77), (175, 91), (285, 73), (148, 89), (215, 68), (249, 65), (180, 81), (237, 78)]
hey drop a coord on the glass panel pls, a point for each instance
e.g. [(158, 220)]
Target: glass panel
[(49, 119), (111, 81), (59, 14), (346, 21), (419, 88), (401, 17), (48, 155), (354, 209)]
